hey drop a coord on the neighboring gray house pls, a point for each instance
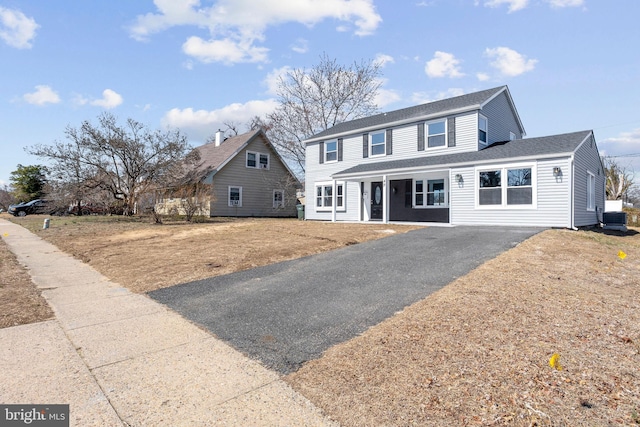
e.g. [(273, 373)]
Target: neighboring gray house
[(460, 160), (248, 178)]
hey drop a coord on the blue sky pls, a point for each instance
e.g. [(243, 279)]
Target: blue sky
[(570, 64)]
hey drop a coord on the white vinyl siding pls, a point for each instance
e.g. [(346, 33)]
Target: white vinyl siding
[(552, 199), (587, 160), (501, 120)]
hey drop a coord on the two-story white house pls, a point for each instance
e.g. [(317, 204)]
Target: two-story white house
[(462, 160)]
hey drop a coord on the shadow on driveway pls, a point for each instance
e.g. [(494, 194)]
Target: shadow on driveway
[(288, 313)]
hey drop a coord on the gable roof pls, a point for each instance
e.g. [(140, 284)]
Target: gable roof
[(213, 158), (458, 104), (546, 146)]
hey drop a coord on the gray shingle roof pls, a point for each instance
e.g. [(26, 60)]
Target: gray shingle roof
[(528, 147), (468, 101)]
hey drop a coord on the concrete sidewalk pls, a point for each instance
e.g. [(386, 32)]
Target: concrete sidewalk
[(122, 359)]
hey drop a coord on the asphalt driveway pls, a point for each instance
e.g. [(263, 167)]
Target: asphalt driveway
[(288, 313)]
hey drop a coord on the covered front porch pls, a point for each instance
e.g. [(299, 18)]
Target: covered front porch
[(409, 197)]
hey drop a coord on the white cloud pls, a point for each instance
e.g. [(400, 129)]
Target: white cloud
[(43, 95), (509, 62), (565, 3), (236, 26), (483, 77), (624, 144), (199, 124), (273, 79), (110, 99), (514, 5), (383, 59), (300, 46), (16, 29), (443, 64), (226, 51)]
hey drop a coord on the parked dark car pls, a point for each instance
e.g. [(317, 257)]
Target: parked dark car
[(37, 206)]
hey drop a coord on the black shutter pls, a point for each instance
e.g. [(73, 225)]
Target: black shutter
[(451, 128), (365, 145), (321, 146), (420, 136), (389, 141), (339, 149)]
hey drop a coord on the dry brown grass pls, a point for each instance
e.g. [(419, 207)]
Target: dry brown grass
[(20, 300), (145, 257), (477, 352)]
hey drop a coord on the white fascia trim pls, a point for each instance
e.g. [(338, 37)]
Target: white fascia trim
[(449, 166)]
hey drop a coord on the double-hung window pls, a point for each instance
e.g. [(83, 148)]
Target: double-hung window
[(483, 128), (519, 187), (325, 196), (257, 160), (278, 199), (331, 151), (429, 192), (435, 192), (378, 143), (591, 191), (235, 196), (436, 134), (506, 187)]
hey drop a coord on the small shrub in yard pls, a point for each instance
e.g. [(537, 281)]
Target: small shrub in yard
[(633, 216)]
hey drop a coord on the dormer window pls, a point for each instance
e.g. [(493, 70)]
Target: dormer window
[(482, 130), (436, 133)]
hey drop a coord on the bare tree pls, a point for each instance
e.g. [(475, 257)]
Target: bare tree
[(6, 198), (194, 199), (314, 100), (126, 160), (618, 179)]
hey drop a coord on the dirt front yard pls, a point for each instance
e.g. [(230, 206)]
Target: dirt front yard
[(476, 352), (145, 257)]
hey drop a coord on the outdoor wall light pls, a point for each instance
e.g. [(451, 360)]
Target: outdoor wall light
[(557, 171), (458, 177)]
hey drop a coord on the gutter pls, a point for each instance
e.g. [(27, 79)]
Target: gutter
[(414, 169)]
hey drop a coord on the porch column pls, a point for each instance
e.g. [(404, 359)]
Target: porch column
[(334, 198), (385, 199)]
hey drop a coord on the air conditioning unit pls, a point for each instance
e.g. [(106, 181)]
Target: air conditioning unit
[(235, 202), (264, 166)]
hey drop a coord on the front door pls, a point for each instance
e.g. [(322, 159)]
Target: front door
[(376, 200)]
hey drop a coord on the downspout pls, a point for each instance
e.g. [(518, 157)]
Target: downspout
[(572, 193)]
